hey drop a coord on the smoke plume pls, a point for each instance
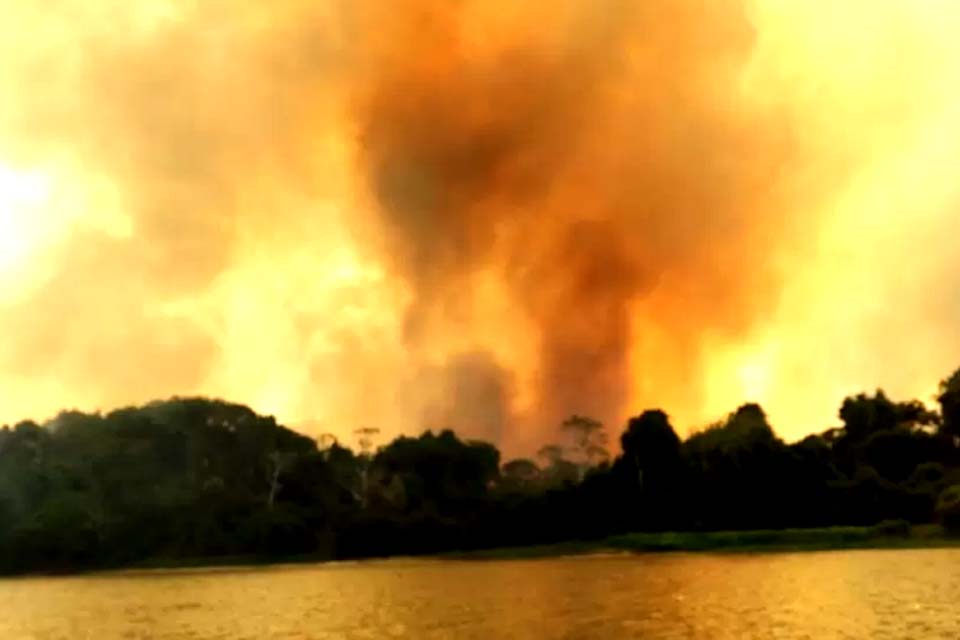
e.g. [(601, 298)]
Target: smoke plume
[(474, 214), (596, 159)]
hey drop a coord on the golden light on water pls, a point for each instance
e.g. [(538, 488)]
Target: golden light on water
[(275, 203)]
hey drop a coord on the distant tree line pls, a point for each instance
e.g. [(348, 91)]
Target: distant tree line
[(193, 479)]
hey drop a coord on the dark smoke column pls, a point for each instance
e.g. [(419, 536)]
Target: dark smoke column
[(594, 163)]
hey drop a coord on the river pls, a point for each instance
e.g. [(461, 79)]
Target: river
[(877, 595)]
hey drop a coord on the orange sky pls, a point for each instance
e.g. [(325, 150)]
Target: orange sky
[(481, 214)]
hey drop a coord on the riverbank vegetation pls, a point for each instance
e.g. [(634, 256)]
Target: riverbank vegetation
[(893, 534), (185, 480)]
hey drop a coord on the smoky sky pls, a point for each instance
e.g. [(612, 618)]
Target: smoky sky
[(590, 173), (424, 213), (591, 157)]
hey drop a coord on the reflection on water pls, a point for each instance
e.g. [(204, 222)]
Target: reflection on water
[(859, 594)]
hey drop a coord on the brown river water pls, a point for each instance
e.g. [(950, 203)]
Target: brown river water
[(902, 594)]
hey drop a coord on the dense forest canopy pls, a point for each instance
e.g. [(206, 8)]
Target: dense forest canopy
[(197, 478)]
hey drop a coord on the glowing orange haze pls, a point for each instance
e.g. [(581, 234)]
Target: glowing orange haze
[(480, 214)]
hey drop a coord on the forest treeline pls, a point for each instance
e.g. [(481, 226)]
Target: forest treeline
[(196, 478)]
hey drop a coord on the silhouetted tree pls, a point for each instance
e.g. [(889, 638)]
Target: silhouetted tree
[(650, 472), (652, 449), (588, 441), (949, 399), (366, 438), (863, 415), (520, 474), (735, 467), (557, 470), (440, 472), (190, 477), (550, 453)]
